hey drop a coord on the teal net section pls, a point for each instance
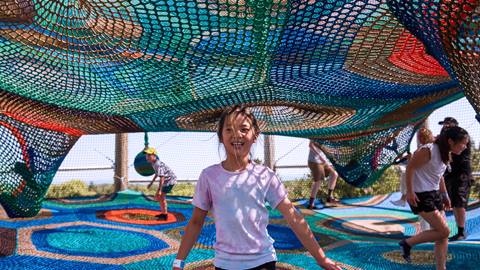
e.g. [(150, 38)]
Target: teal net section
[(357, 76)]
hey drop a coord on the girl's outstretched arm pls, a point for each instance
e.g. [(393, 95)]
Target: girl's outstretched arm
[(153, 180), (302, 231), (191, 233)]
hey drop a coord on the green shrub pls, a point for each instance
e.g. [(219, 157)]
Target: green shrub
[(183, 189), (297, 189), (103, 189), (474, 194), (72, 188)]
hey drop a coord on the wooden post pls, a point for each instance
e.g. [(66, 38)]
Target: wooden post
[(269, 152), (121, 162)]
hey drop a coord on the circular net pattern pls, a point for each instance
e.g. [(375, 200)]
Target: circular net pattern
[(94, 242), (140, 216), (357, 76)]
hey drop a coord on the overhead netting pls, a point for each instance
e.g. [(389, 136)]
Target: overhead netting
[(357, 76)]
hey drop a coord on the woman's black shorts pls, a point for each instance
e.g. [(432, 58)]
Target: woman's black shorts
[(266, 266), (429, 201)]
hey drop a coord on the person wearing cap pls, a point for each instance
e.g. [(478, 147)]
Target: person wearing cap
[(167, 180), (458, 179), (448, 122)]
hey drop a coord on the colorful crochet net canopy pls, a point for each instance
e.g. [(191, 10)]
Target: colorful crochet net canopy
[(357, 76)]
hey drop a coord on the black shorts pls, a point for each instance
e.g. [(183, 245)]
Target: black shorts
[(429, 201), (167, 189), (458, 188), (266, 266)]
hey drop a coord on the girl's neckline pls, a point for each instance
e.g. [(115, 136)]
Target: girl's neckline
[(248, 166)]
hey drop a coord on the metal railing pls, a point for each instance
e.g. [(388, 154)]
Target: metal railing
[(474, 174), (289, 167), (93, 168), (183, 181)]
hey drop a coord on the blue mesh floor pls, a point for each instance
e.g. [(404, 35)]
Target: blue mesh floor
[(122, 232)]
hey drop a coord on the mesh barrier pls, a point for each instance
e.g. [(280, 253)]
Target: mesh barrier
[(358, 76)]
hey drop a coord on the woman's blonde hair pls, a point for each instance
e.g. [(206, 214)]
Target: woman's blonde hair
[(425, 136)]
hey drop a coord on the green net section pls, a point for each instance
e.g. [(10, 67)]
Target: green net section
[(358, 76), (30, 157)]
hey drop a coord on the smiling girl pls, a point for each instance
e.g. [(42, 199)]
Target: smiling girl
[(236, 192)]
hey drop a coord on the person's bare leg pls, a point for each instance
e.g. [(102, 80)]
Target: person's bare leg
[(438, 232), (314, 189), (460, 215), (163, 203), (332, 177), (332, 182), (439, 229), (318, 174), (441, 249), (403, 190)]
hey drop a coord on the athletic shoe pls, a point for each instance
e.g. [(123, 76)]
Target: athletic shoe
[(313, 207), (162, 217), (457, 237), (332, 200), (405, 250)]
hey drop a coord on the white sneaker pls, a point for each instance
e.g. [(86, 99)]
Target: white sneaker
[(399, 202)]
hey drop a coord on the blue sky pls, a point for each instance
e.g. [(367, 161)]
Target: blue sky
[(187, 153)]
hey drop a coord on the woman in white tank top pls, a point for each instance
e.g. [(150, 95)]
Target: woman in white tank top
[(426, 192), (320, 167)]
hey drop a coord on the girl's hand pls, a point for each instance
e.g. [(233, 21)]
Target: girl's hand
[(412, 199), (446, 201), (328, 264), (448, 204)]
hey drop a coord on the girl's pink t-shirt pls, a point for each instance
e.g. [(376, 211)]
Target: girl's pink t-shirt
[(237, 201)]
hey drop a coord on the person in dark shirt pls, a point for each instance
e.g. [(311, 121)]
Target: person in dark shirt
[(458, 180)]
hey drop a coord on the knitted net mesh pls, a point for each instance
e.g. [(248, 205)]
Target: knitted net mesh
[(357, 76)]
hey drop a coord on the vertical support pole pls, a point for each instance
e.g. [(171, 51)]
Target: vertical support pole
[(269, 151), (121, 162)]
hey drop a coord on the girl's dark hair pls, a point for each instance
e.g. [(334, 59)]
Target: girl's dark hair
[(232, 113), (456, 134)]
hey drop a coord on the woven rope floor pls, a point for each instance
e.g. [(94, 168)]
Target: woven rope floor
[(122, 232)]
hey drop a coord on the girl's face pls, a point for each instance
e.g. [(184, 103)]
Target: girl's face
[(150, 158), (238, 135), (457, 148)]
